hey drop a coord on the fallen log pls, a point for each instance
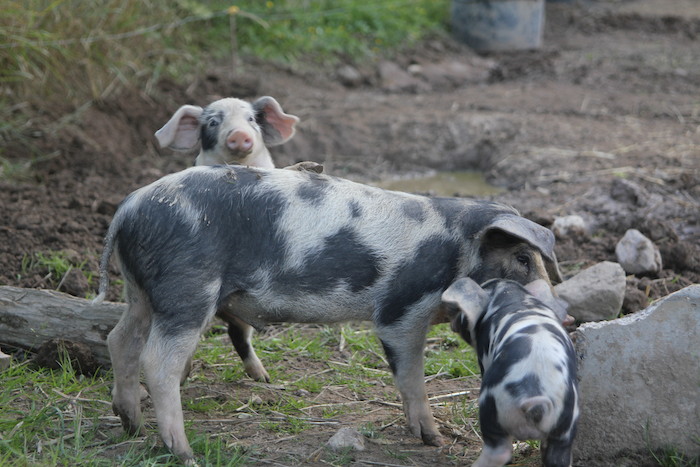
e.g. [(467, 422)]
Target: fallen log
[(30, 318)]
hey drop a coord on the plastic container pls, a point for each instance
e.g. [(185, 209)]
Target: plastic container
[(498, 25)]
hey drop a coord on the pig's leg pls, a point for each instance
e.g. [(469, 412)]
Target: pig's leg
[(404, 343), (496, 455), (498, 445), (241, 334), (556, 452), (164, 359), (125, 343)]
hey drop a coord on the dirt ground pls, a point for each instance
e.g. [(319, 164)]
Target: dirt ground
[(603, 121)]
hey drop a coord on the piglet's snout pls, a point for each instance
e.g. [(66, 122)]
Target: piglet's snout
[(239, 141)]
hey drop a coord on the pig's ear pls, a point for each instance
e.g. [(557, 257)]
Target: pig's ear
[(539, 237), (464, 301), (543, 292), (277, 126), (181, 133)]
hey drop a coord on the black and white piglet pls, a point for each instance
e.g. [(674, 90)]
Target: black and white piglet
[(528, 366)]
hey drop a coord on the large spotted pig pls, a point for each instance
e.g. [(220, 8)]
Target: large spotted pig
[(288, 246), (528, 366)]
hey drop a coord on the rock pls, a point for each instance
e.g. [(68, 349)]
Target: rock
[(638, 382), (450, 73), (394, 79), (626, 191), (5, 361), (637, 254), (595, 293), (347, 438), (567, 225), (349, 76), (74, 283)]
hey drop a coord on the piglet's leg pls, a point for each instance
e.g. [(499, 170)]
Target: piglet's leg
[(495, 455), (164, 359), (125, 343), (556, 453), (404, 350), (497, 442)]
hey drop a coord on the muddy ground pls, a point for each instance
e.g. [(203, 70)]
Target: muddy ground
[(603, 121)]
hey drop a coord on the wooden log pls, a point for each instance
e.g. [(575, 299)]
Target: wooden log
[(32, 317)]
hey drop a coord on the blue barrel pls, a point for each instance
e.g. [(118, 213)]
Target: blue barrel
[(498, 25)]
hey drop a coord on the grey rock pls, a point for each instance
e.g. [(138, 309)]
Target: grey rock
[(637, 254), (347, 438), (638, 381), (595, 293), (349, 76), (567, 225), (394, 79)]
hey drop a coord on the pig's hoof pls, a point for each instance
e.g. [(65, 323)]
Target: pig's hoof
[(257, 373), (132, 427), (432, 439)]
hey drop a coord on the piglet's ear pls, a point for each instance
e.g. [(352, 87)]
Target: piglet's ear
[(277, 126), (464, 301), (181, 133)]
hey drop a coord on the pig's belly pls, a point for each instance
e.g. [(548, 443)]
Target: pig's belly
[(260, 309)]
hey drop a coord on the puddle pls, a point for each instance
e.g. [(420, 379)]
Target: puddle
[(462, 183)]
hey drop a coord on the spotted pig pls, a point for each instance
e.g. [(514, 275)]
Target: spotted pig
[(272, 245), (528, 366)]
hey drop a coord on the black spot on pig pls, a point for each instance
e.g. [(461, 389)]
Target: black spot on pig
[(413, 210), (432, 269), (355, 209), (513, 350), (210, 124), (312, 192), (343, 259), (528, 386)]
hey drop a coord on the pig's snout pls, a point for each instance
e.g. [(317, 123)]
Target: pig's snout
[(239, 141)]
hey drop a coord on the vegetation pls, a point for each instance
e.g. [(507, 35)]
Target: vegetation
[(56, 56), (59, 417)]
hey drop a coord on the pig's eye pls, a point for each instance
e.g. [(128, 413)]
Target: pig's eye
[(213, 123), (524, 260), (251, 119)]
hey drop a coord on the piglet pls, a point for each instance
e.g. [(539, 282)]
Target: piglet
[(230, 130), (528, 366)]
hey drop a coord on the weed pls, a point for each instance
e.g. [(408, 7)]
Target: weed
[(54, 265)]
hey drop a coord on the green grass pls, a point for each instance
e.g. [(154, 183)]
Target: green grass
[(54, 265), (59, 56), (58, 417)]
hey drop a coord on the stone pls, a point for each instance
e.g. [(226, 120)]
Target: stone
[(638, 382), (74, 283), (394, 79), (567, 225), (349, 76), (595, 293), (347, 438), (5, 361), (637, 254)]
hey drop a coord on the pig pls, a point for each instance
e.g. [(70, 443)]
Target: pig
[(275, 245), (529, 388), (233, 131), (230, 130)]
